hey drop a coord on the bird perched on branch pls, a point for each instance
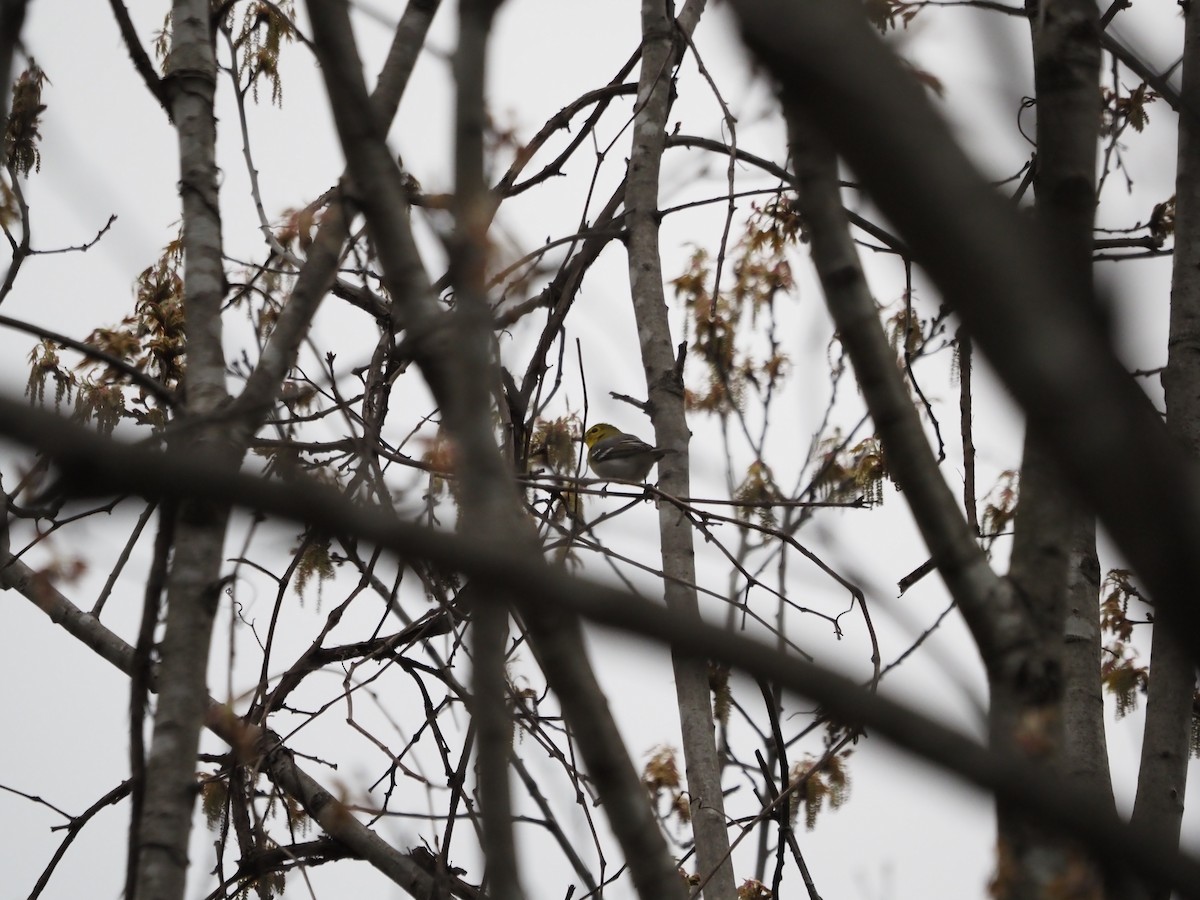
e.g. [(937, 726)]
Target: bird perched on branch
[(618, 456)]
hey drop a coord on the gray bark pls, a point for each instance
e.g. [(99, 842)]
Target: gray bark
[(1162, 778), (193, 586), (318, 271), (1084, 755), (279, 765), (1052, 531), (544, 593), (437, 346), (991, 609), (12, 18), (664, 384), (1047, 349), (489, 503)]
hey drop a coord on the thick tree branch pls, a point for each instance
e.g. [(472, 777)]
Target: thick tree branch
[(489, 502), (991, 267), (250, 740), (193, 587), (436, 345), (1162, 776), (1051, 532), (93, 464), (134, 374), (138, 56), (12, 19), (436, 348), (992, 612), (320, 268), (661, 51)]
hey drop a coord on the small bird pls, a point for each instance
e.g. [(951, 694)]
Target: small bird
[(618, 456)]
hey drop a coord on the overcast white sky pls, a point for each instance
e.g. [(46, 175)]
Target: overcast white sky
[(108, 149)]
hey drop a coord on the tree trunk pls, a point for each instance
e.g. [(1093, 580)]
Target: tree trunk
[(193, 586), (664, 383), (1162, 778), (1051, 530)]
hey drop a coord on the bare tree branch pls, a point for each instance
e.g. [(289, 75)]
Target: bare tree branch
[(193, 586), (139, 57), (1163, 774), (12, 18), (661, 51), (1043, 341), (251, 741), (95, 464)]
